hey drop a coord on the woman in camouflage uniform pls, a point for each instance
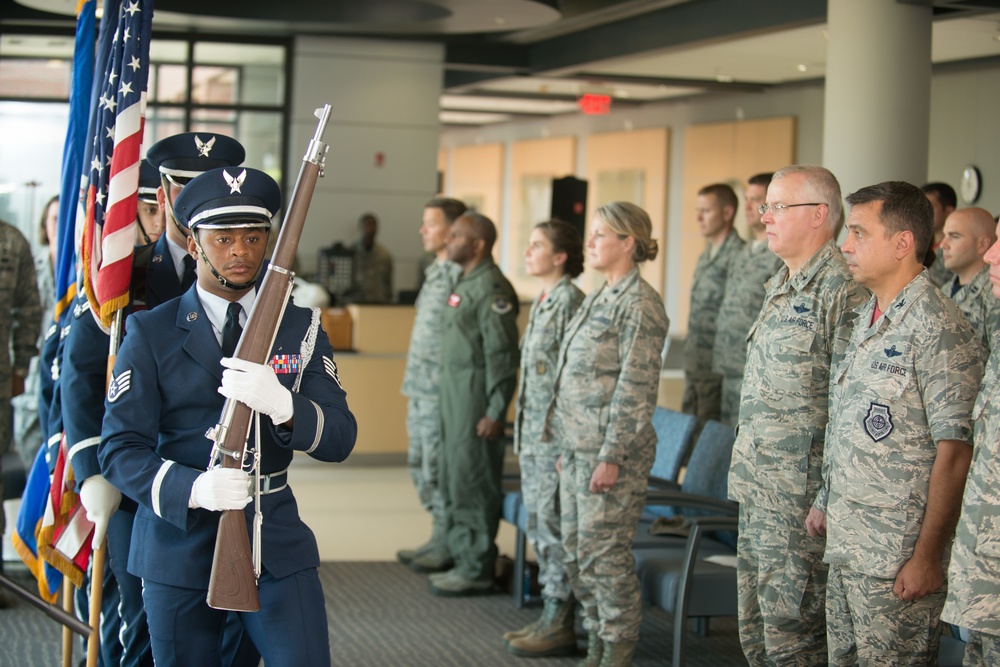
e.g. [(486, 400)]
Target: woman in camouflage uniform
[(607, 379), (554, 255)]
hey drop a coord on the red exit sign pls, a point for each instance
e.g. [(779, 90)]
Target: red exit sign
[(594, 105)]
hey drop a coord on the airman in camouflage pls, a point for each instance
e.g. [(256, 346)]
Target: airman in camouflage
[(554, 253), (422, 379), (974, 573), (802, 330), (898, 440), (968, 234), (478, 378), (754, 264), (702, 386), (943, 200), (20, 323), (600, 415)]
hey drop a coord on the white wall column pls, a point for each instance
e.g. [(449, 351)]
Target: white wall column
[(877, 103), (383, 137)]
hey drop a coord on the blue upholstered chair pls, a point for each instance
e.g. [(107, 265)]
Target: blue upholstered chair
[(675, 574)]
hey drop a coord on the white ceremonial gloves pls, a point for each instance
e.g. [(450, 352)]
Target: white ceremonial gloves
[(100, 499), (258, 387), (221, 489)]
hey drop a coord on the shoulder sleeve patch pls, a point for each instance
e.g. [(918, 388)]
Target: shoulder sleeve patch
[(502, 305), (121, 384)]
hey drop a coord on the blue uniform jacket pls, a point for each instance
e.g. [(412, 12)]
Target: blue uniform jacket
[(153, 445), (84, 371)]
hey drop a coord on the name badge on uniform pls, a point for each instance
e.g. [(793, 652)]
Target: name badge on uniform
[(285, 363), (454, 300)]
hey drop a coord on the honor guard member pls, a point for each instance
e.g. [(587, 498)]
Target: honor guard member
[(776, 471), (968, 234), (84, 377), (166, 394), (422, 380), (478, 377), (703, 386), (898, 448), (150, 217), (974, 573), (754, 264)]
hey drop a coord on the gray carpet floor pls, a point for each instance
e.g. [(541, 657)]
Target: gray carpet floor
[(383, 615)]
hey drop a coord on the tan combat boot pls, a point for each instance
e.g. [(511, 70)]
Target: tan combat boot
[(595, 651), (553, 636), (618, 654)]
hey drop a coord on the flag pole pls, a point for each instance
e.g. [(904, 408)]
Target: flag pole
[(67, 634), (96, 595)]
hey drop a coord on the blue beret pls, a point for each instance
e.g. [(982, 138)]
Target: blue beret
[(191, 153), (232, 197), (149, 182)]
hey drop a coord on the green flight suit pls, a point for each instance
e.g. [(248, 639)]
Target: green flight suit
[(478, 377)]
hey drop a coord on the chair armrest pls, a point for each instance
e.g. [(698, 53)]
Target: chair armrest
[(663, 483), (682, 499)]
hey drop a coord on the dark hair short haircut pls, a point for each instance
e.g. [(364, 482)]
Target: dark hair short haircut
[(761, 179), (484, 228), (565, 238), (452, 208), (904, 209), (724, 195), (945, 193)]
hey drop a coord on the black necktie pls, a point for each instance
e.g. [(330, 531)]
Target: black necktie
[(189, 275), (231, 330)]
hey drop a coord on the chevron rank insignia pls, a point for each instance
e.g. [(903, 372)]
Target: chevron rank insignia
[(286, 363), (120, 385), (331, 370)]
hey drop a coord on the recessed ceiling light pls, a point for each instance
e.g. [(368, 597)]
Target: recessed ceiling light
[(499, 20), (801, 67), (723, 78), (622, 93)]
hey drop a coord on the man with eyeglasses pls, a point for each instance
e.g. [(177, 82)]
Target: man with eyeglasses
[(776, 471), (753, 265), (898, 447), (716, 209)]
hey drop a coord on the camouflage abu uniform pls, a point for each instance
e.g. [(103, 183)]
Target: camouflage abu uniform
[(910, 382), (20, 322), (752, 266), (372, 274), (420, 384), (776, 471), (938, 273), (606, 386), (539, 479), (478, 377), (974, 573), (977, 303), (702, 386)]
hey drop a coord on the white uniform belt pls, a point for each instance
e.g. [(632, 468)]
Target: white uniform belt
[(274, 482)]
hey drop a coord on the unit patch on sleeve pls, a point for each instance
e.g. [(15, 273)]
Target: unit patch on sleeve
[(502, 305), (286, 363), (331, 370), (120, 385), (878, 422)]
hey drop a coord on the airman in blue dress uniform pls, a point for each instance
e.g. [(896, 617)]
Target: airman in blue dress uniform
[(164, 396)]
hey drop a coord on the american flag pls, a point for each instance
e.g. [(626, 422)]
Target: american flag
[(111, 195)]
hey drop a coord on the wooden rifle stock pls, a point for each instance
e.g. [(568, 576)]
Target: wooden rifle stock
[(233, 582)]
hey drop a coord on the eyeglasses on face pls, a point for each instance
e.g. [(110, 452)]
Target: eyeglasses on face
[(778, 208)]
